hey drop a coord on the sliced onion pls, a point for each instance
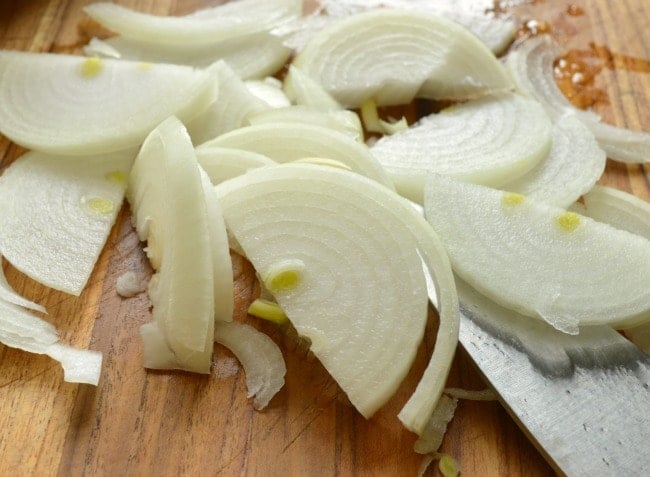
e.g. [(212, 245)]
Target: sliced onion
[(21, 329), (9, 295), (343, 121), (73, 105), (531, 65), (487, 141), (540, 260), (315, 234), (251, 56), (222, 163), (270, 91), (301, 89), (206, 26), (431, 439), (259, 355), (394, 55), (572, 167), (284, 142), (233, 103), (167, 198), (56, 214)]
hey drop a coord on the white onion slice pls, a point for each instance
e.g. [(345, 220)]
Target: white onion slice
[(64, 104), (531, 65), (206, 26), (303, 90), (325, 231), (343, 121), (431, 439), (8, 294), (284, 142), (56, 214), (223, 163), (487, 141), (259, 355), (21, 329), (270, 91), (394, 55), (540, 260), (571, 168), (618, 209), (232, 104), (167, 198), (251, 56)]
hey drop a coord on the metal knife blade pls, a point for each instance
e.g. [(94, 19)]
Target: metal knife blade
[(583, 400)]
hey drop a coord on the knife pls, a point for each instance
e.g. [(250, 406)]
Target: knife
[(583, 400)]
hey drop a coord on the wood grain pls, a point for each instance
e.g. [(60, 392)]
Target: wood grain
[(139, 422)]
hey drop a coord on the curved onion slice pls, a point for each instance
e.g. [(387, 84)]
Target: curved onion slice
[(284, 142), (270, 91), (73, 105), (167, 198), (206, 26), (9, 295), (21, 329), (315, 234), (486, 141), (301, 89), (540, 260), (251, 56), (259, 355), (618, 209), (343, 121), (393, 55), (572, 167), (232, 104), (56, 214), (223, 163), (531, 65)]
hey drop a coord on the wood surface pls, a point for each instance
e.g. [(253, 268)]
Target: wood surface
[(138, 422)]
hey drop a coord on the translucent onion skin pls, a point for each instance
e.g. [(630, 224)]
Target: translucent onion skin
[(393, 56), (531, 65)]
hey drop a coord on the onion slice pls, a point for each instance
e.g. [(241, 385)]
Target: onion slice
[(284, 142), (486, 141), (205, 26), (251, 56), (56, 214), (540, 260), (222, 163), (8, 294), (572, 167), (531, 65), (64, 104), (21, 329), (301, 89), (392, 56), (259, 355), (169, 204), (269, 90), (315, 234)]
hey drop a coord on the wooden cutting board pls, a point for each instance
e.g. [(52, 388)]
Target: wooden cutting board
[(171, 423)]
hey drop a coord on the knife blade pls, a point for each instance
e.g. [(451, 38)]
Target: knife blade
[(583, 400)]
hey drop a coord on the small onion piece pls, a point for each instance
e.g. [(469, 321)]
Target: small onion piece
[(540, 260), (9, 295), (487, 141), (259, 355), (21, 329), (571, 168), (63, 104), (284, 142), (269, 90), (315, 233), (393, 56), (202, 27), (301, 89), (531, 65), (56, 213), (431, 439), (250, 56)]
